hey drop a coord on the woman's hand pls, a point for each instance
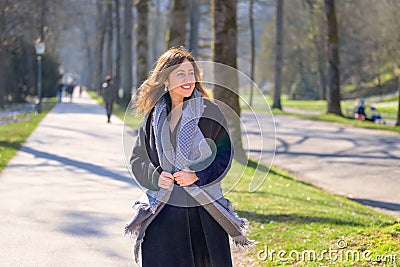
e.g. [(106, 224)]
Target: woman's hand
[(185, 177), (166, 180)]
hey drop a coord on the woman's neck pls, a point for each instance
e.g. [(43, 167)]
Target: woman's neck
[(176, 101)]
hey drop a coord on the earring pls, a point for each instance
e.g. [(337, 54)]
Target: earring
[(165, 88)]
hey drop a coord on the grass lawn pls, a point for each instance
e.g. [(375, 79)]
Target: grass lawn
[(299, 219), (14, 133)]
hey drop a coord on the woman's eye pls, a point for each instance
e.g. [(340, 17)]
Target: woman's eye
[(191, 73)]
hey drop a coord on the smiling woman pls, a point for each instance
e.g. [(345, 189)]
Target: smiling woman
[(182, 150)]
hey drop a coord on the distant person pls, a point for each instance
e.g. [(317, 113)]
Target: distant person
[(80, 90), (70, 91), (108, 92), (376, 116), (359, 109), (59, 89)]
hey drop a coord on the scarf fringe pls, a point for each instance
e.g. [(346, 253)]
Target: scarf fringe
[(242, 243)]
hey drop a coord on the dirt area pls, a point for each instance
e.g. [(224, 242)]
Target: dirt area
[(241, 259)]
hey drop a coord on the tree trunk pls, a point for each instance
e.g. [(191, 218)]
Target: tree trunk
[(118, 51), (42, 23), (127, 59), (333, 59), (398, 108), (322, 77), (3, 75), (158, 26), (318, 42), (194, 27), (224, 51), (176, 35), (109, 47), (98, 52), (141, 44), (89, 61), (278, 56), (252, 49)]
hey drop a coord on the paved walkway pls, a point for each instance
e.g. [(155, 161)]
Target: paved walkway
[(358, 163), (67, 195)]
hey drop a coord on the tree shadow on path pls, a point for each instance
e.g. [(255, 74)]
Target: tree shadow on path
[(95, 169)]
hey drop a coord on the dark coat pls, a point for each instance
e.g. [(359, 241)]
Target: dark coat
[(145, 163), (108, 92), (184, 236)]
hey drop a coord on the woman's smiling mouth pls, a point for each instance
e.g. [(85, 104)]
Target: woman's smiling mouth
[(186, 86)]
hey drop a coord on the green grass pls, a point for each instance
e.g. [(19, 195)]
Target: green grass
[(313, 105), (14, 134), (390, 99), (286, 214)]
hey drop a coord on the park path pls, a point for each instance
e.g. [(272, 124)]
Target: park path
[(361, 164), (67, 194)]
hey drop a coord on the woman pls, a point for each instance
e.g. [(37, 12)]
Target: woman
[(182, 152)]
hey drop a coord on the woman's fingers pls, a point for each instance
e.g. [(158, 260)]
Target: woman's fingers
[(185, 177), (166, 180), (167, 174)]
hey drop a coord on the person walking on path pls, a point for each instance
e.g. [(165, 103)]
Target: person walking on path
[(108, 93), (59, 89), (70, 91), (183, 220)]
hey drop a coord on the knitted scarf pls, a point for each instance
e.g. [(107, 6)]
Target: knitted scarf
[(191, 147)]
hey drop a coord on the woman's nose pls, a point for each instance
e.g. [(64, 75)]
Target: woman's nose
[(188, 78)]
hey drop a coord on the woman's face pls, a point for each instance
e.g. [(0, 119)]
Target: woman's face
[(181, 81)]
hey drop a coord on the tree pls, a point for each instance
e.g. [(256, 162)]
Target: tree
[(333, 59), (127, 51), (252, 48), (316, 36), (278, 58), (194, 27), (110, 38), (176, 35), (224, 51), (398, 106), (99, 45), (118, 52), (2, 54), (141, 44)]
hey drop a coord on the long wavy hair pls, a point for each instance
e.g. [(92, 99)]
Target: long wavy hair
[(152, 89)]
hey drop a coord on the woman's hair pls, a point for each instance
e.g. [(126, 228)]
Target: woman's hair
[(153, 88)]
